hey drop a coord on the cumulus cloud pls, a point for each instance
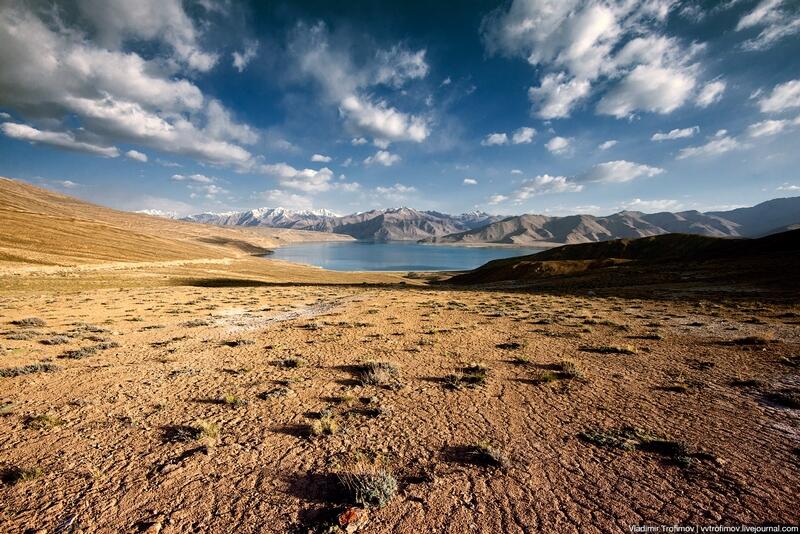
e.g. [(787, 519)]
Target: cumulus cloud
[(115, 21), (543, 184), (51, 72), (555, 96), (784, 96), (319, 158), (470, 181), (308, 180), (765, 128), (396, 192), (620, 171), (677, 133), (497, 199), (136, 155), (577, 44), (494, 139), (720, 143), (788, 187), (194, 178), (637, 204), (285, 199), (649, 88), (776, 18), (523, 135), (398, 65), (65, 140), (382, 157), (243, 58), (605, 145), (711, 93), (559, 145), (347, 84)]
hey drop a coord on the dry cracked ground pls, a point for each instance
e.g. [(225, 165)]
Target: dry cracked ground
[(189, 409)]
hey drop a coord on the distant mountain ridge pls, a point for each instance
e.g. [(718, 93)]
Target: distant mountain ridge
[(394, 224), (765, 218), (408, 224)]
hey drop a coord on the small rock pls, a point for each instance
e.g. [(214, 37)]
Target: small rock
[(353, 519)]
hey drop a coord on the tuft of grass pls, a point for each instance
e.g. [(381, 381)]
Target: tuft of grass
[(29, 369), (376, 373), (568, 369), (30, 322), (369, 483), (232, 400), (77, 354), (6, 408), (55, 340), (324, 426), (199, 430), (521, 359), (43, 422), (546, 377), (292, 362), (195, 323), (484, 453), (611, 349), (630, 438), (15, 474), (752, 340)]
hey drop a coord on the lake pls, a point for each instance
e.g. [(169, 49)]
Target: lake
[(393, 256)]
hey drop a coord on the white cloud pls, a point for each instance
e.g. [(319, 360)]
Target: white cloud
[(495, 139), (65, 140), (637, 204), (358, 141), (516, 171), (620, 171), (308, 180), (284, 199), (711, 93), (382, 157), (398, 65), (195, 178), (545, 184), (4, 115), (136, 155), (766, 128), (677, 133), (115, 21), (649, 88), (54, 71), (497, 199), (395, 192), (382, 121), (788, 187), (775, 21), (575, 43), (605, 145), (243, 58), (556, 96), (209, 191), (320, 158), (720, 143), (523, 135), (346, 84), (558, 145), (470, 181), (784, 96)]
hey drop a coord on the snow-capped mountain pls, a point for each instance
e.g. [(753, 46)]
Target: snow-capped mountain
[(383, 225)]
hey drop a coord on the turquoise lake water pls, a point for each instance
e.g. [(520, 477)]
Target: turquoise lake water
[(393, 256)]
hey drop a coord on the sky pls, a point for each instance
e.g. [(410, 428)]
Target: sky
[(523, 106)]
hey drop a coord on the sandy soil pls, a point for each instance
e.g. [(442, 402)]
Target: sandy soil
[(109, 457)]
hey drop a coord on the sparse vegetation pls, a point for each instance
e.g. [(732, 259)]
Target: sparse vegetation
[(326, 425), (484, 453), (44, 367), (199, 430), (30, 322), (291, 362), (15, 474), (43, 422), (369, 483), (611, 349), (55, 340)]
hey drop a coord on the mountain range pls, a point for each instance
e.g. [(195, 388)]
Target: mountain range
[(408, 224)]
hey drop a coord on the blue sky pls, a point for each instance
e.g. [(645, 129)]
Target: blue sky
[(527, 106)]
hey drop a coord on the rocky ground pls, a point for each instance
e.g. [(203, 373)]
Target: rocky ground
[(249, 409)]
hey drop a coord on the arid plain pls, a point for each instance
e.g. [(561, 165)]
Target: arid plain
[(156, 376)]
